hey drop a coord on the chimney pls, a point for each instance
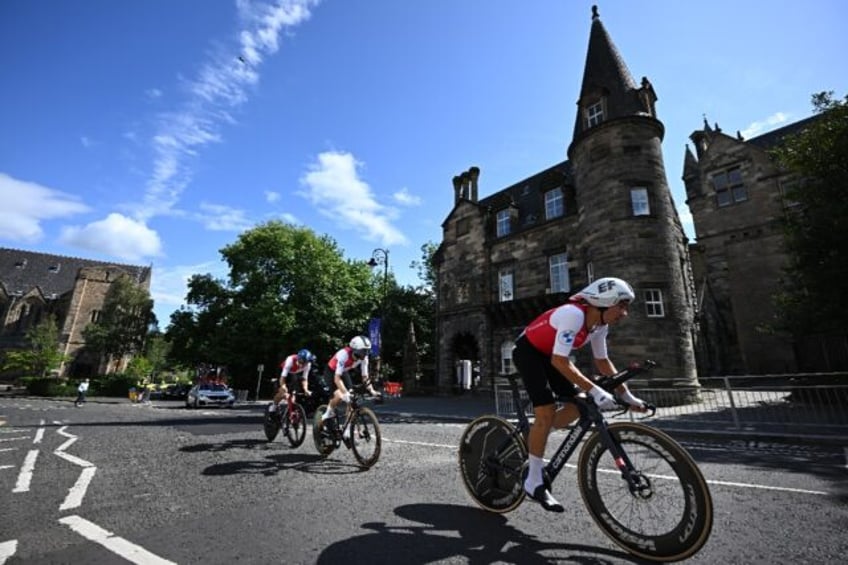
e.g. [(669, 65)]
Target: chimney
[(474, 174), (464, 180), (457, 187)]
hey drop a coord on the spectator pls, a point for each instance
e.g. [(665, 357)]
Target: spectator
[(82, 389)]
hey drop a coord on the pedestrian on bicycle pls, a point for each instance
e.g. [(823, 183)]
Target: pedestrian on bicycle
[(541, 356), (295, 368), (338, 369)]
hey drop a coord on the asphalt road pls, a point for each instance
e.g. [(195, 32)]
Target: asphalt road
[(117, 483)]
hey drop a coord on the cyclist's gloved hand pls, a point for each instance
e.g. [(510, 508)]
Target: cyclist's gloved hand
[(603, 399), (346, 397), (633, 401)]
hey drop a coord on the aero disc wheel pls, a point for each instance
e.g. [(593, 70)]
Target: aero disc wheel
[(271, 424), (296, 425), (492, 457), (323, 444), (365, 437), (669, 516)]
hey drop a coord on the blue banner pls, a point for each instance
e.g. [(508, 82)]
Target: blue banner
[(374, 334)]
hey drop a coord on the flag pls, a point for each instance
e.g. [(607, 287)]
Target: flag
[(374, 334)]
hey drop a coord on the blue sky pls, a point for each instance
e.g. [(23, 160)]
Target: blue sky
[(153, 132)]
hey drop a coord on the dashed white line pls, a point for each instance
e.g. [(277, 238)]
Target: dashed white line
[(6, 467), (8, 448), (25, 476), (7, 549), (14, 438), (128, 550)]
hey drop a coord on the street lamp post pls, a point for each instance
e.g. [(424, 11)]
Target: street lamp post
[(380, 256)]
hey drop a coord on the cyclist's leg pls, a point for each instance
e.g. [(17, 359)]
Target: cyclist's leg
[(281, 393)]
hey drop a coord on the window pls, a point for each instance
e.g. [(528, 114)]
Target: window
[(590, 271), (789, 191), (95, 316), (554, 204), (505, 285), (506, 358), (594, 114), (639, 201), (729, 187), (559, 273), (503, 223), (654, 303)]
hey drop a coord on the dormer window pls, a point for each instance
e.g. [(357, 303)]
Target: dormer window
[(54, 268), (502, 222), (595, 114), (554, 205)]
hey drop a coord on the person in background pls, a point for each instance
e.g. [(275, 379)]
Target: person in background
[(82, 390)]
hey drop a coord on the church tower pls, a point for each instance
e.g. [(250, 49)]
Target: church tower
[(628, 226)]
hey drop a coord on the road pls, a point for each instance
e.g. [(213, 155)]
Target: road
[(116, 483)]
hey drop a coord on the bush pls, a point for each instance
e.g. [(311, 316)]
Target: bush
[(47, 386), (115, 384)]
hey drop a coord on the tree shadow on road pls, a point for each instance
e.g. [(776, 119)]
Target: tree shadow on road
[(452, 531)]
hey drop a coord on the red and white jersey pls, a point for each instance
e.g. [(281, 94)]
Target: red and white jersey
[(344, 360), (292, 366), (561, 329)]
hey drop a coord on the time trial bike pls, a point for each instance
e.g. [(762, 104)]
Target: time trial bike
[(358, 430), (290, 417), (641, 487)]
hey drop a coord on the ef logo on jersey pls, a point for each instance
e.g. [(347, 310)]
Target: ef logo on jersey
[(566, 337)]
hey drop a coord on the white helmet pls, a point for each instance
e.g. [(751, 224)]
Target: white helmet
[(361, 346), (607, 292)]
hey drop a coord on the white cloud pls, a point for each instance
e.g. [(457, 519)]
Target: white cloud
[(271, 196), (116, 235), (220, 85), (86, 142), (290, 218), (404, 197), (333, 185), (27, 204), (169, 285), (756, 128), (153, 93), (217, 217)]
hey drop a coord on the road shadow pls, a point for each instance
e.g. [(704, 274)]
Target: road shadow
[(274, 463), (444, 532)]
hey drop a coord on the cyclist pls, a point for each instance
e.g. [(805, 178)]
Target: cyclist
[(337, 372), (294, 368), (541, 356)]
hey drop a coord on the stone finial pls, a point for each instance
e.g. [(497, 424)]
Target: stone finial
[(595, 15), (739, 136)]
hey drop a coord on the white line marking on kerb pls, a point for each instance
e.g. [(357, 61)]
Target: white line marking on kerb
[(7, 549), (129, 551), (77, 492), (25, 476)]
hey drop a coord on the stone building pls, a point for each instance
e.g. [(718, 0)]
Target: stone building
[(34, 285), (605, 211), (737, 196)]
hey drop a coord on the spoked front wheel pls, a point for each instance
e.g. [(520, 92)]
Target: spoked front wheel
[(365, 437), (667, 515), (492, 456), (271, 424), (296, 425)]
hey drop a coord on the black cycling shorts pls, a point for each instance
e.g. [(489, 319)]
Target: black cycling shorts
[(329, 378), (541, 380)]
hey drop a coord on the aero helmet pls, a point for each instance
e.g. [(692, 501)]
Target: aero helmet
[(360, 345), (607, 292), (304, 356)]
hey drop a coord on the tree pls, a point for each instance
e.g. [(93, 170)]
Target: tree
[(43, 353), (287, 288), (124, 322), (817, 230)]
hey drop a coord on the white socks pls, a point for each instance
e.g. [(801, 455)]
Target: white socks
[(327, 414), (534, 473)]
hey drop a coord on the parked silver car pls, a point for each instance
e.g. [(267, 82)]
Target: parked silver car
[(210, 394)]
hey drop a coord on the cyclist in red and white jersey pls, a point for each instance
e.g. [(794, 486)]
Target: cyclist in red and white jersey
[(295, 367), (337, 372), (541, 356)]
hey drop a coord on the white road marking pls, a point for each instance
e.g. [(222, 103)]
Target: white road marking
[(711, 482), (25, 476), (71, 439), (8, 448), (77, 492), (72, 459), (129, 551), (6, 467), (39, 435), (14, 438), (7, 549)]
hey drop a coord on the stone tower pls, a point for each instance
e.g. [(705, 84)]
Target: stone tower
[(628, 225)]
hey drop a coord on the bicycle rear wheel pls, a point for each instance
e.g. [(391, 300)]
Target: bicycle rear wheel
[(323, 443), (669, 516), (492, 456), (365, 437), (271, 423), (296, 425)]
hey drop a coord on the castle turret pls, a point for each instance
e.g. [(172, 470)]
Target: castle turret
[(628, 224)]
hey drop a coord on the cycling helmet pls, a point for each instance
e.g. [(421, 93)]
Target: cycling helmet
[(304, 356), (360, 345), (607, 292)]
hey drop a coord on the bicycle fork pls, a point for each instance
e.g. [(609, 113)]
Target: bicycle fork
[(638, 483)]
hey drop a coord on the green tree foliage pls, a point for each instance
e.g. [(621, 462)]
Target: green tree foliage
[(817, 229), (124, 322), (287, 288), (43, 353)]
